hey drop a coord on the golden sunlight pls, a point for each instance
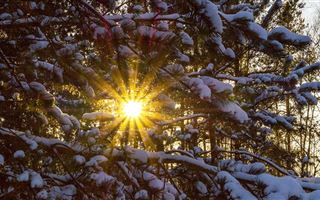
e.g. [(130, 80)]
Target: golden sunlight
[(132, 109), (136, 104)]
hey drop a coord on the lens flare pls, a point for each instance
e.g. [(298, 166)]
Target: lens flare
[(132, 109), (133, 98)]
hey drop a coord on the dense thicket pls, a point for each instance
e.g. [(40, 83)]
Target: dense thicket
[(209, 121), (298, 147)]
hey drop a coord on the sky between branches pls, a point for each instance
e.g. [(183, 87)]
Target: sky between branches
[(310, 9)]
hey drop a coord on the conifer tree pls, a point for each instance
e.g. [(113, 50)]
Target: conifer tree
[(145, 100)]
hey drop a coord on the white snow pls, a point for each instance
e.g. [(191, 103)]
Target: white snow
[(273, 119), (96, 160), (128, 24), (252, 168), (269, 92), (217, 86), (282, 34), (91, 140), (284, 122), (118, 32), (98, 31), (5, 16), (217, 41), (310, 98), (161, 5), (307, 87), (199, 87), (137, 7), (79, 56), (280, 187), (311, 195), (92, 132), (156, 184), (63, 192), (259, 32), (154, 31), (67, 50), (90, 91), (37, 86), (163, 26), (233, 110), (151, 32), (147, 176), (210, 10), (67, 122), (229, 53), (50, 67), (239, 16), (80, 160), (201, 187), (24, 177), (38, 45), (186, 39), (305, 159), (266, 118), (141, 194), (137, 154), (125, 51), (98, 116), (210, 67), (101, 178), (43, 194), (19, 154), (233, 187), (36, 180), (184, 136), (182, 57), (33, 5), (1, 159)]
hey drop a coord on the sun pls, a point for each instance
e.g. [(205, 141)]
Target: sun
[(135, 103), (132, 109)]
